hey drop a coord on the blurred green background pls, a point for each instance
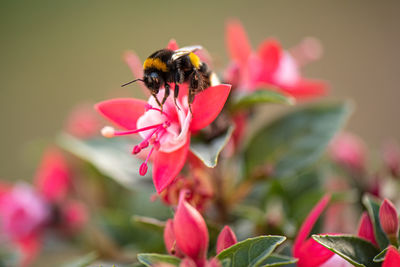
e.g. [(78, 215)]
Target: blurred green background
[(56, 54)]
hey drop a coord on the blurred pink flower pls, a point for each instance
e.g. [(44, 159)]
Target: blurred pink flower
[(198, 186), (309, 252), (83, 122), (348, 150), (270, 65), (391, 157), (53, 176), (167, 132), (23, 214), (74, 216)]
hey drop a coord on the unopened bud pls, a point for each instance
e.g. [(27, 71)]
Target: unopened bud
[(388, 218), (366, 229), (108, 132), (226, 239), (143, 169)]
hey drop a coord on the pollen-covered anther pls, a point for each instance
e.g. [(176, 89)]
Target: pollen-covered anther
[(108, 132), (143, 169)]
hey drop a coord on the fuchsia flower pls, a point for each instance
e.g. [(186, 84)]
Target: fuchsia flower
[(186, 236), (348, 150), (83, 122), (167, 132), (53, 176), (270, 65), (309, 252), (23, 214)]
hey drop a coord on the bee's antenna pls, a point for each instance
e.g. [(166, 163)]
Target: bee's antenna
[(140, 80)]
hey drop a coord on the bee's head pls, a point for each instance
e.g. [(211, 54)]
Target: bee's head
[(153, 81)]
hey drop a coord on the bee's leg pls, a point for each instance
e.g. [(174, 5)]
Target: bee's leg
[(178, 79), (166, 93), (191, 98), (158, 102)]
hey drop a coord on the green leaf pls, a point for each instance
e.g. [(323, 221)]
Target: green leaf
[(112, 157), (261, 96), (149, 259), (296, 140), (278, 260), (357, 251), (209, 152), (252, 251), (149, 223), (83, 261), (381, 256), (372, 204)]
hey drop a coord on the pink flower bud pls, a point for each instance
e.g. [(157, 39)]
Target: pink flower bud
[(190, 230), (136, 150), (226, 238), (388, 218), (365, 229), (170, 241)]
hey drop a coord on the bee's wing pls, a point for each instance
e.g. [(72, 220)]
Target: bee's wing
[(185, 51)]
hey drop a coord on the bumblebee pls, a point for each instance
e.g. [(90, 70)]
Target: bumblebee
[(166, 66)]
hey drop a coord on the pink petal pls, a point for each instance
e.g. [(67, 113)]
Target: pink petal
[(123, 112), (136, 67), (208, 104), (168, 165), (190, 230), (366, 229), (226, 238), (172, 45), (307, 89), (312, 254), (237, 42), (187, 262), (308, 224), (392, 258), (270, 52), (53, 176)]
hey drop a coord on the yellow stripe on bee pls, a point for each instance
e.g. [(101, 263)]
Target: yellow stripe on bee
[(155, 63), (195, 60)]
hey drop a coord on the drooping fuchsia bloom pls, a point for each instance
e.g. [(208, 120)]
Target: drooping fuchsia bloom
[(309, 252), (53, 182), (83, 122), (167, 132), (270, 64), (392, 258), (186, 236), (23, 215), (349, 150), (53, 177)]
